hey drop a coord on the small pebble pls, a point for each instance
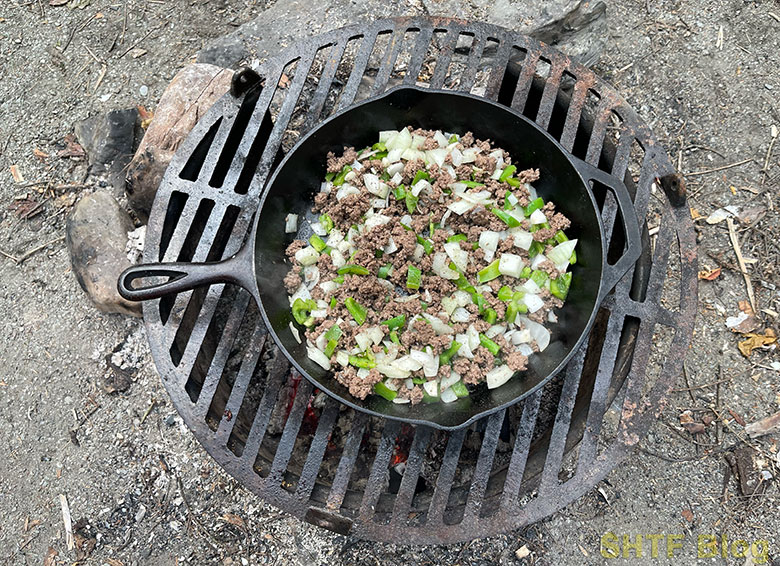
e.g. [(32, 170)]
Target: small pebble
[(144, 90), (170, 420)]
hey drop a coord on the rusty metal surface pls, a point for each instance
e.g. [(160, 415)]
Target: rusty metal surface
[(230, 384)]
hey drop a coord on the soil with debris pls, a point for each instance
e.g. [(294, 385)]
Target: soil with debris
[(138, 487)]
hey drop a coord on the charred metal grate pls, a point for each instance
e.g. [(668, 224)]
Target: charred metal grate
[(322, 462)]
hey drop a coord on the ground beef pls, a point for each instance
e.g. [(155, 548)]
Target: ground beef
[(292, 281), (359, 387), (336, 164), (348, 210), (528, 176), (516, 361), (416, 395)]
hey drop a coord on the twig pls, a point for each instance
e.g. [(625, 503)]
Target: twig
[(694, 388), (134, 45), (765, 169), (26, 255), (741, 263), (152, 405), (192, 514), (706, 171), (688, 384), (34, 210), (67, 521), (9, 256)]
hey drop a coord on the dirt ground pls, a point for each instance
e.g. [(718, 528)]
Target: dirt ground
[(702, 74)]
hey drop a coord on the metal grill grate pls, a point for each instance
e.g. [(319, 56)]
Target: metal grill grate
[(374, 478)]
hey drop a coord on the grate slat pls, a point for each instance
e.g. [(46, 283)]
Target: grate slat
[(414, 462), (599, 132), (291, 427), (550, 93), (418, 55), (358, 70), (379, 470), (449, 466), (317, 449), (469, 74), (499, 68), (347, 462), (326, 82), (487, 453), (574, 113), (445, 56), (525, 80), (388, 61), (525, 432)]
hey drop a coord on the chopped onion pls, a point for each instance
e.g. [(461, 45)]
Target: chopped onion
[(465, 348), (335, 237), (460, 207), (406, 220), (537, 261), (342, 358), (440, 139), (441, 266), (446, 382), (473, 336), (394, 155), (539, 333), (420, 186), (449, 304), (397, 178), (462, 298), (295, 333), (337, 258), (291, 223), (439, 327), (318, 357), (326, 187), (412, 154), (401, 400), (307, 256), (408, 363), (448, 396), (394, 169), (495, 330), (458, 256), (321, 343), (460, 315), (346, 190), (385, 135), (319, 313), (444, 218), (469, 155), (537, 217), (488, 241), (533, 302), (457, 157), (552, 317), (521, 337), (561, 253), (497, 377), (311, 275), (376, 220), (401, 140), (510, 264), (406, 299), (301, 293), (375, 186), (357, 166), (390, 247), (525, 349), (418, 252), (362, 373), (437, 156), (318, 228), (531, 287), (531, 192), (392, 370), (431, 388), (328, 287)]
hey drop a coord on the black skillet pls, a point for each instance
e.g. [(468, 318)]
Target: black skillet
[(564, 180)]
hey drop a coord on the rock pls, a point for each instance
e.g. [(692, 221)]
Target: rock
[(96, 234), (191, 93), (578, 28), (109, 140)]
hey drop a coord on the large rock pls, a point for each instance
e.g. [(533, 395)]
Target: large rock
[(96, 234), (191, 93), (577, 28), (109, 140)]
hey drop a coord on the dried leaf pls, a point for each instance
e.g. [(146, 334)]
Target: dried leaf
[(138, 52), (694, 428), (40, 154), (23, 207), (737, 417), (751, 214), (284, 81), (745, 307), (72, 148), (695, 214), (743, 323), (755, 341), (113, 562), (710, 274), (721, 214), (764, 426), (686, 418), (16, 174), (51, 556), (234, 519), (687, 515), (57, 2)]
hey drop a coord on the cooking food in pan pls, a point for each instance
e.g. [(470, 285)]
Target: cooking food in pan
[(433, 267)]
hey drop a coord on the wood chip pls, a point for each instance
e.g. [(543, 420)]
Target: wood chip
[(67, 521), (51, 555), (741, 263), (522, 552), (687, 515), (138, 52), (768, 425), (17, 175), (710, 274), (755, 341)]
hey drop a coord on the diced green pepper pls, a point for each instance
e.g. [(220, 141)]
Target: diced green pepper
[(541, 226), (413, 277), (479, 300), (512, 182), (384, 391), (333, 333), (573, 257), (362, 362), (379, 146), (489, 273), (536, 204), (333, 302), (317, 243), (420, 175), (384, 271), (327, 222), (506, 173), (330, 347), (535, 249), (457, 238), (507, 205), (358, 311), (459, 389), (411, 202), (472, 184), (539, 277), (559, 287), (352, 269), (395, 322), (453, 138), (560, 237), (338, 180), (525, 273), (399, 192), (446, 355), (426, 244), (504, 293), (329, 177), (506, 218), (301, 310), (490, 315), (394, 338), (339, 279), (489, 344), (429, 398)]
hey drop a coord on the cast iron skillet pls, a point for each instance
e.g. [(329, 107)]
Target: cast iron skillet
[(564, 180)]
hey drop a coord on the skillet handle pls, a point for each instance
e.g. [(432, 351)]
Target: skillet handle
[(612, 273), (237, 269)]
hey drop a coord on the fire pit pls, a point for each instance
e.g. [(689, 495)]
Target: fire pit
[(374, 478)]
